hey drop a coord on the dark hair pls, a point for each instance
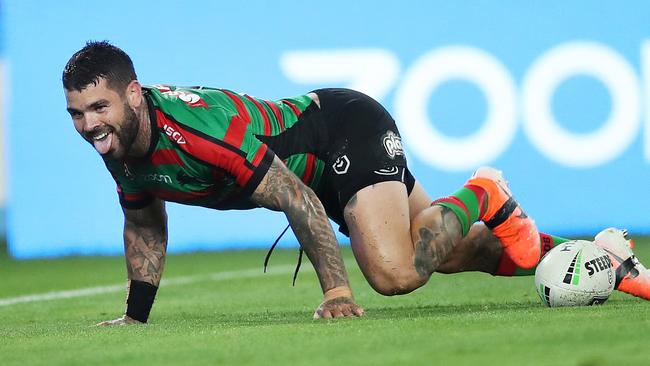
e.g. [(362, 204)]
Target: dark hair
[(97, 60)]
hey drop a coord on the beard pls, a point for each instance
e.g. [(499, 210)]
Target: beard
[(129, 131)]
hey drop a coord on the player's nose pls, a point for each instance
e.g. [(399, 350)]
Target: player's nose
[(91, 122)]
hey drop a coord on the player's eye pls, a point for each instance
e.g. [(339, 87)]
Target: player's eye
[(101, 108)]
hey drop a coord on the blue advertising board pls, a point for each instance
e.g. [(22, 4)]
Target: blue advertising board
[(556, 94), (3, 135)]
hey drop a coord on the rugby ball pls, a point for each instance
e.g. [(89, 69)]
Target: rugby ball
[(575, 273)]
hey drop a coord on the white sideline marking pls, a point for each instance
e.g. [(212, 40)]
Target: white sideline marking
[(90, 291)]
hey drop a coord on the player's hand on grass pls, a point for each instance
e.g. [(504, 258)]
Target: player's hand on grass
[(338, 303), (123, 320)]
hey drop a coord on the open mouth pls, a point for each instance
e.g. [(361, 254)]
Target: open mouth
[(102, 141), (101, 136)]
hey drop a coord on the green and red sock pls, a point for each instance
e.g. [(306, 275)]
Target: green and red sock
[(468, 204), (508, 268)]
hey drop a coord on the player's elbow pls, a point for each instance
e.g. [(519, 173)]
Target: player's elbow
[(304, 203)]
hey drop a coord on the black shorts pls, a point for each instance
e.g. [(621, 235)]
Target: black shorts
[(358, 141), (365, 149)]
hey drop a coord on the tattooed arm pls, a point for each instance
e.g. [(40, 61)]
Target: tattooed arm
[(145, 242), (145, 247), (280, 189)]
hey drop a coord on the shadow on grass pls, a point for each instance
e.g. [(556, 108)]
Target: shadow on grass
[(442, 312), (255, 319), (436, 311)]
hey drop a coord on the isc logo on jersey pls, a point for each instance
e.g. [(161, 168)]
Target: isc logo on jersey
[(175, 135)]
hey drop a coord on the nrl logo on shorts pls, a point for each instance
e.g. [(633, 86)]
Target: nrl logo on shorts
[(393, 144)]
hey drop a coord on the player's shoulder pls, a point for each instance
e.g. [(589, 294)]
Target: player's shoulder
[(200, 108), (174, 97)]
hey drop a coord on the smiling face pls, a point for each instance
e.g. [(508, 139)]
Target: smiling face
[(104, 118)]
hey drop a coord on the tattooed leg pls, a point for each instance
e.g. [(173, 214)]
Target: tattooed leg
[(378, 219), (399, 239), (435, 231), (479, 250)]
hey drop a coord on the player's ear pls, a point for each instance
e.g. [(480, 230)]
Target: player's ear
[(134, 94)]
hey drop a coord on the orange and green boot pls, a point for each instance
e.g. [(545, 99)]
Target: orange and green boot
[(509, 223), (632, 277)]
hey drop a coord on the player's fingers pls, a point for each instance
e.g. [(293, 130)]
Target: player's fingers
[(346, 310), (358, 311), (322, 313), (109, 323), (336, 312)]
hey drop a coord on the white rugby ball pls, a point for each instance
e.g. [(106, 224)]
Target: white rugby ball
[(575, 273)]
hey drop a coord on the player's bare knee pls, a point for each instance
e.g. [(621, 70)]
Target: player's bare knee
[(395, 281)]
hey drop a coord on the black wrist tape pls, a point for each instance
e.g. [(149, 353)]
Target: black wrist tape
[(140, 300)]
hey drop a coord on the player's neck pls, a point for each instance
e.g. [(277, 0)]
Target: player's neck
[(142, 141)]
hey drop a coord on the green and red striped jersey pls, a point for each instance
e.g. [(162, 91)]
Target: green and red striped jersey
[(205, 149)]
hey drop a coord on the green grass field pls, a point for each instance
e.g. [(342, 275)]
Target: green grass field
[(214, 310)]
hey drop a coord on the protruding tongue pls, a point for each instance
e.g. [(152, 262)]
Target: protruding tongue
[(102, 146)]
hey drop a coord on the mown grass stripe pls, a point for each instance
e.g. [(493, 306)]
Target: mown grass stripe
[(99, 290)]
